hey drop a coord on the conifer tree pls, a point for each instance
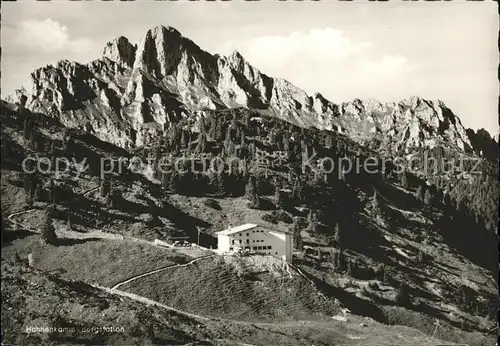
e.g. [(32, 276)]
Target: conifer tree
[(52, 192), (27, 128), (105, 186), (221, 179), (251, 193), (48, 234), (250, 189), (218, 131), (313, 222), (184, 140), (297, 238), (109, 199), (202, 142), (29, 199), (420, 194), (297, 191), (404, 180), (349, 267), (201, 126), (340, 264), (375, 203), (173, 179), (336, 235), (243, 140), (280, 202), (228, 143), (164, 180), (402, 297), (427, 196), (38, 196)]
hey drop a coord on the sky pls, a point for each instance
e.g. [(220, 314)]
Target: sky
[(386, 51)]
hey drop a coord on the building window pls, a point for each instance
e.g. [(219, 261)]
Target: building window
[(255, 247), (247, 247), (248, 241), (248, 234), (269, 247), (276, 253), (232, 241)]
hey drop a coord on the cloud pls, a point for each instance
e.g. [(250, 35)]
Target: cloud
[(49, 36), (326, 60), (318, 44)]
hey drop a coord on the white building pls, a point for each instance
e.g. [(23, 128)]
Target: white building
[(258, 239)]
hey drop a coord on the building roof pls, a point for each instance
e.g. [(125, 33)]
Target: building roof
[(245, 227), (233, 230)]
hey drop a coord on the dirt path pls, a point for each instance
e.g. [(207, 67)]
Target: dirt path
[(74, 234), (148, 301), (16, 213), (384, 198), (159, 270), (151, 302)]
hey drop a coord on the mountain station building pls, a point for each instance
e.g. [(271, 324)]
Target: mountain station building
[(258, 239)]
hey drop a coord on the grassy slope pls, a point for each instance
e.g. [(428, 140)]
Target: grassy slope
[(78, 307), (242, 291), (101, 261)]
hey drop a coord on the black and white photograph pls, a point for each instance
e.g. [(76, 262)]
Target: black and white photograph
[(249, 173)]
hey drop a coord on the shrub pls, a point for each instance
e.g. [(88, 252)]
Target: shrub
[(276, 216), (402, 297), (270, 218), (282, 216), (379, 272), (212, 203)]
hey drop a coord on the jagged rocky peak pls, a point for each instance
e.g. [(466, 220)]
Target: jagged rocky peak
[(167, 77), (121, 51), (159, 52), (237, 60)]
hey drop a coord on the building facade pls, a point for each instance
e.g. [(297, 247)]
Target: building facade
[(256, 239)]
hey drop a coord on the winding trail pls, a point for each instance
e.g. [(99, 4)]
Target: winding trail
[(159, 270), (73, 234), (148, 301)]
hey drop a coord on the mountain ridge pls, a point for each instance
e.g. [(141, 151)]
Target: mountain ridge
[(134, 92)]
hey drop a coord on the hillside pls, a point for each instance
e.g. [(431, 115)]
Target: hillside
[(255, 288), (89, 315), (391, 238)]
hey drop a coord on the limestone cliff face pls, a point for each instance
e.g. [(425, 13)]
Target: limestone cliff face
[(406, 124), (133, 93)]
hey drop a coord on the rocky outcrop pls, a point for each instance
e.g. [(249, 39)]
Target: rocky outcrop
[(133, 93), (406, 124), (121, 51), (484, 145)]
